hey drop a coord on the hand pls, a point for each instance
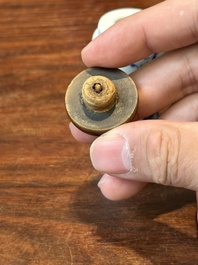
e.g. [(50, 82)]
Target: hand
[(163, 151)]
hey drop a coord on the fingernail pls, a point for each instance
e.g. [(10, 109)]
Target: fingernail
[(103, 180), (110, 153)]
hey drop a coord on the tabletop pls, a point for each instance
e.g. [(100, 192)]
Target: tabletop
[(51, 210)]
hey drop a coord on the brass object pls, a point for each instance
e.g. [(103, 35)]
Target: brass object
[(100, 99), (99, 94)]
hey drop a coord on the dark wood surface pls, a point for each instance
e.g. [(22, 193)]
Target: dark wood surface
[(51, 211)]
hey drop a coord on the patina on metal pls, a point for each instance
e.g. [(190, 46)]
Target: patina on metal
[(100, 99)]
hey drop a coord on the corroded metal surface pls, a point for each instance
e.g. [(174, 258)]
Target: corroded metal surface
[(97, 122)]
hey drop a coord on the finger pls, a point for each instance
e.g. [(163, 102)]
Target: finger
[(150, 151), (81, 136), (114, 188), (184, 110), (169, 25), (166, 80), (159, 85)]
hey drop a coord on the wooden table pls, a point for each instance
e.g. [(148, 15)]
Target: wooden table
[(51, 211)]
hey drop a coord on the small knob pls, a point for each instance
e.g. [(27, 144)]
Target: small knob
[(99, 93)]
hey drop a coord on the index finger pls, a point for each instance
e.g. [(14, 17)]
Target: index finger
[(169, 25)]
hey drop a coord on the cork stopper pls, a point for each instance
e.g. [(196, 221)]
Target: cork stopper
[(99, 94)]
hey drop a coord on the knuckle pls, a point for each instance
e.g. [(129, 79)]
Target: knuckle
[(163, 145)]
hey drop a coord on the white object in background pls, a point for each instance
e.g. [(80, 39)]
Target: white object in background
[(108, 20)]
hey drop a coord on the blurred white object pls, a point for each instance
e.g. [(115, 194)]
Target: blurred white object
[(108, 20)]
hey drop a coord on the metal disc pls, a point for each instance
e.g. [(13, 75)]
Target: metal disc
[(96, 123)]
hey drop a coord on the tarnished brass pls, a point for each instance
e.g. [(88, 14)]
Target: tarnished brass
[(100, 99), (99, 94)]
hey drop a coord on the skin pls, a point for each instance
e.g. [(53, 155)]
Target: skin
[(163, 151)]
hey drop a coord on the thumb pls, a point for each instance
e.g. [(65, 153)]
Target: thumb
[(158, 151)]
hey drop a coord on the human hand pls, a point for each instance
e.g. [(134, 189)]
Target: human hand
[(163, 151)]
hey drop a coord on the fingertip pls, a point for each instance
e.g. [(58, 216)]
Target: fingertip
[(95, 53), (84, 54), (110, 154), (116, 189), (88, 54), (81, 136)]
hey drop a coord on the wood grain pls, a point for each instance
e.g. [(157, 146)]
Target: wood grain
[(51, 211)]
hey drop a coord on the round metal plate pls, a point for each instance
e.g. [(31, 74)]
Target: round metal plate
[(96, 123)]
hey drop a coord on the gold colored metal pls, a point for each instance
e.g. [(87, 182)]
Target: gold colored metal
[(100, 99)]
